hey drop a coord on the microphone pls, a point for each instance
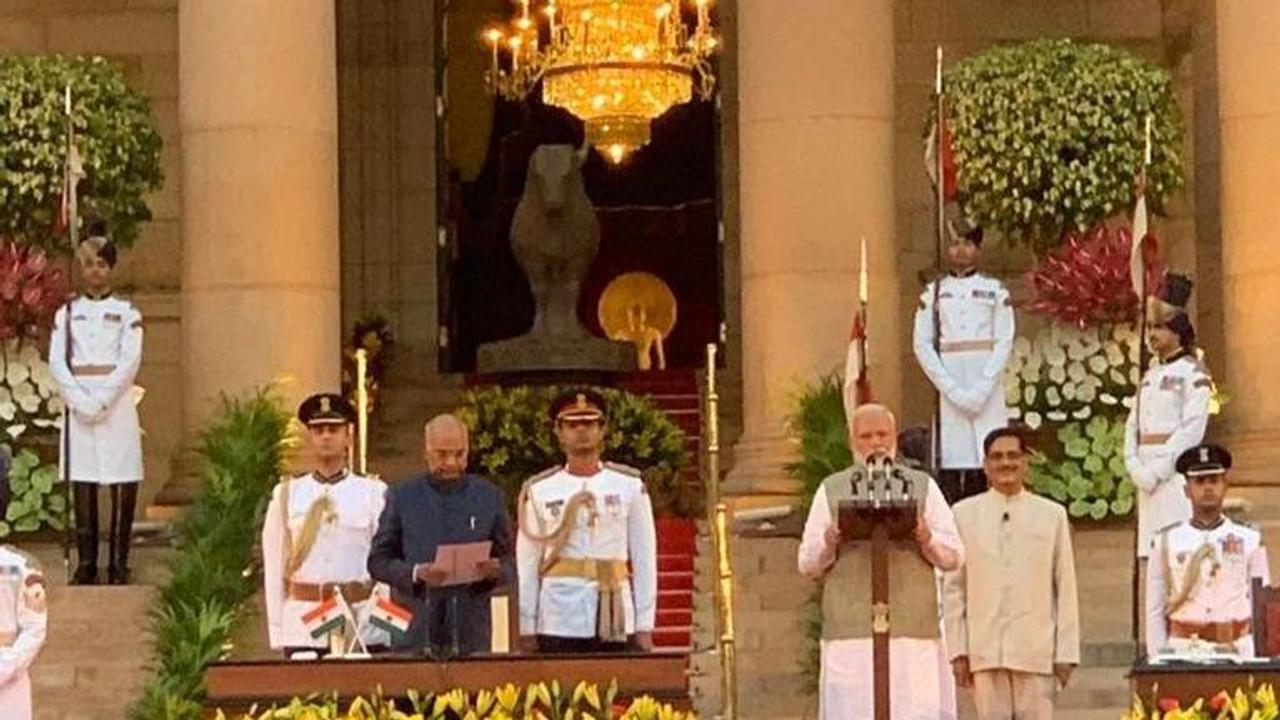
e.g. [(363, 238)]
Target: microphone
[(1005, 518)]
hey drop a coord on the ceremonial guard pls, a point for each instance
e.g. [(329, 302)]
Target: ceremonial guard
[(1199, 584), (580, 526), (94, 360), (1169, 414), (316, 539), (963, 335), (23, 622)]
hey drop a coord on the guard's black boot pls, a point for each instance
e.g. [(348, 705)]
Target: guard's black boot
[(123, 499), (86, 507)]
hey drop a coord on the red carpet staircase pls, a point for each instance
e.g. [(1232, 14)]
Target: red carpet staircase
[(675, 392)]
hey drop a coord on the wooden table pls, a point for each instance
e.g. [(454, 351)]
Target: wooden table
[(236, 685), (1190, 681)]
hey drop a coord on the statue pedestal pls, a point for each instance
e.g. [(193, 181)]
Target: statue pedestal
[(528, 352)]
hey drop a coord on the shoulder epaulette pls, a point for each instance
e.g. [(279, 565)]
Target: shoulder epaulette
[(624, 469), (542, 475), (31, 562)]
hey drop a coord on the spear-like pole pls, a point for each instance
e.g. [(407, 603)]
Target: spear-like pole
[(1143, 359), (940, 198), (70, 177)]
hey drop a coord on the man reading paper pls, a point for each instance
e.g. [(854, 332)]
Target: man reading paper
[(431, 523)]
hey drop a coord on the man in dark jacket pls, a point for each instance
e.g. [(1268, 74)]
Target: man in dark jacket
[(442, 506)]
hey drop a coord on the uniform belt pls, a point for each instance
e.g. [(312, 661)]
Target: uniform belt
[(1218, 632), (313, 592), (92, 370), (7, 638), (967, 345), (605, 572), (1153, 438)]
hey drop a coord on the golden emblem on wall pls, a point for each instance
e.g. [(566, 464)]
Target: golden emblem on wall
[(639, 308)]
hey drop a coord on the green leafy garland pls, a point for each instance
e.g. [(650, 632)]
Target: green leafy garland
[(512, 440), (118, 143), (1048, 136), (243, 452)]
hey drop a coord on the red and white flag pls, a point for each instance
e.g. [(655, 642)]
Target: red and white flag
[(72, 173), (857, 384), (1137, 266)]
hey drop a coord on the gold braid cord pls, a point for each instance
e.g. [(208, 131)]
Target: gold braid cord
[(320, 512), (560, 534), (1189, 580)]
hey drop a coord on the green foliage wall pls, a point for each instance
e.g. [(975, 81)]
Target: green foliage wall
[(117, 140), (1048, 136), (512, 440)]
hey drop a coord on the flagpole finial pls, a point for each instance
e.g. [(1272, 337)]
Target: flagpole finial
[(862, 274), (937, 72)]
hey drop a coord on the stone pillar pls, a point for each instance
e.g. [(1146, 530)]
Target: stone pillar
[(816, 106), (260, 289), (1248, 48)]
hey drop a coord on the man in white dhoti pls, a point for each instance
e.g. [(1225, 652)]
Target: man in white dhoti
[(94, 360), (921, 684), (963, 335)]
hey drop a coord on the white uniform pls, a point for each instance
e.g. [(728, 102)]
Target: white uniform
[(23, 622), (977, 323), (339, 555), (1174, 402), (1219, 598), (106, 349), (622, 529)]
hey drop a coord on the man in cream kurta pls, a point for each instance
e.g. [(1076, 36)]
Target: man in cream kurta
[(1012, 622), (920, 683)]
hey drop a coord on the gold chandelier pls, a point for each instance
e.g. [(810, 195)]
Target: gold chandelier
[(615, 64)]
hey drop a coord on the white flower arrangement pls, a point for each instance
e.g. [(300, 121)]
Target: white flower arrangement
[(1074, 386), (29, 397), (30, 407)]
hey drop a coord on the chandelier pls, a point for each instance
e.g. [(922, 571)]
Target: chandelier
[(615, 64)]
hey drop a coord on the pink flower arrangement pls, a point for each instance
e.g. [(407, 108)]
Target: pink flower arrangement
[(1086, 281), (31, 289)]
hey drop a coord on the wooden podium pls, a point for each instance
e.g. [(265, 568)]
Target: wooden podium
[(235, 686), (880, 512)]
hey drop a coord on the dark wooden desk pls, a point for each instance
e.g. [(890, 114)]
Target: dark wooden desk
[(236, 685), (1189, 681)]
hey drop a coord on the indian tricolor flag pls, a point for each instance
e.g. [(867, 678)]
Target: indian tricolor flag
[(324, 618), (389, 616)]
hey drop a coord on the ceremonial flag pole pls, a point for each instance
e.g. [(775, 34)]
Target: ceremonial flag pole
[(68, 212), (940, 199), (857, 382), (1138, 276)]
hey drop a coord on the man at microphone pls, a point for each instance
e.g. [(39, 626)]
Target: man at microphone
[(920, 686), (1012, 624)]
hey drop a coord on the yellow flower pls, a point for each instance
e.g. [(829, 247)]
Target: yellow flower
[(507, 695)]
